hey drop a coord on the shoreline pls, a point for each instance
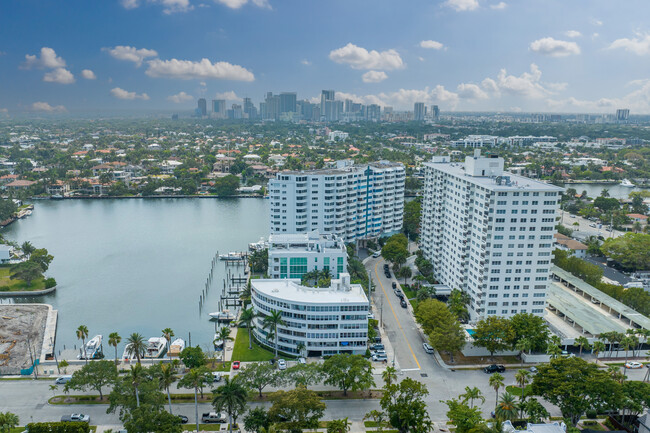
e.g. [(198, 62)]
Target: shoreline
[(6, 294)]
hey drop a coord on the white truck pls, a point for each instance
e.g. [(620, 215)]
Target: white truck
[(213, 417)]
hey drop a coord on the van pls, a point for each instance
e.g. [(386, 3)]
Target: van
[(62, 380)]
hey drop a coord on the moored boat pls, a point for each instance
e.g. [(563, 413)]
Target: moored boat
[(232, 256), (156, 347), (223, 316), (626, 183), (176, 347), (92, 349)]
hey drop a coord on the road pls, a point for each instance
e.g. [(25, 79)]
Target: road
[(582, 230)]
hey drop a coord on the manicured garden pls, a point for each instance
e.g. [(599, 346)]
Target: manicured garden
[(242, 353)]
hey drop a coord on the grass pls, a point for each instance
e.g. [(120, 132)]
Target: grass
[(515, 390), (203, 427), (241, 352), (593, 425), (374, 424), (219, 366), (9, 285)]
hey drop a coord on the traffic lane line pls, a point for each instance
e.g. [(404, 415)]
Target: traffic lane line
[(395, 315)]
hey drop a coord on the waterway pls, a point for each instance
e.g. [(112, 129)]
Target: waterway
[(594, 189), (138, 265)]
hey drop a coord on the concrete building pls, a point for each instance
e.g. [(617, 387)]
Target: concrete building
[(338, 136), (219, 108), (489, 233), (351, 201), (326, 321), (419, 111), (202, 107), (475, 141), (293, 255), (565, 243)]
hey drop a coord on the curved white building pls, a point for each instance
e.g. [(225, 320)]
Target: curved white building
[(327, 320)]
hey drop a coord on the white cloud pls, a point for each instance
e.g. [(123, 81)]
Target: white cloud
[(374, 76), (180, 98), (499, 6), (47, 59), (305, 62), (639, 45), (124, 94), (554, 47), (59, 75), (462, 5), (88, 74), (129, 4), (572, 34), (360, 58), (434, 45), (490, 85), (44, 106), (228, 96), (236, 4), (528, 84), (471, 91), (131, 54), (205, 69), (596, 22), (421, 59), (169, 6)]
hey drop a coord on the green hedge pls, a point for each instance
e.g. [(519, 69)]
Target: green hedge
[(58, 427)]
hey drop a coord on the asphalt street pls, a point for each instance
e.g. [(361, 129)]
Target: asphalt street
[(583, 229)]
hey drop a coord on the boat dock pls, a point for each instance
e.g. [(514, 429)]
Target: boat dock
[(49, 334)]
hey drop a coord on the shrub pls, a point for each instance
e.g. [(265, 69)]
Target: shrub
[(591, 414), (58, 427), (49, 283)]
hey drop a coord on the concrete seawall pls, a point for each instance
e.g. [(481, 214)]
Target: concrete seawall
[(30, 293)]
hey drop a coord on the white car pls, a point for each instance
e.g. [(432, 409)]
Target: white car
[(633, 364), (376, 254), (282, 364), (532, 369), (302, 360), (380, 358)]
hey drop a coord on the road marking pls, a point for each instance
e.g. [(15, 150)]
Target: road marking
[(395, 315), (410, 369)]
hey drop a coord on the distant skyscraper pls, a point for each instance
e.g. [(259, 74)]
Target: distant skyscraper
[(623, 115), (419, 110), (272, 107), (249, 109), (329, 109), (373, 113), (219, 107), (435, 112), (203, 107), (287, 102)]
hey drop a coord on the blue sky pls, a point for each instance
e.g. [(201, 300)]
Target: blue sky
[(471, 55)]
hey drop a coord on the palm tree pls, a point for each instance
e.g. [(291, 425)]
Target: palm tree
[(300, 347), (27, 248), (582, 343), (628, 342), (615, 373), (231, 397), (247, 318), (168, 333), (245, 294), (82, 334), (522, 377), (496, 382), (273, 320), (472, 394), (166, 377), (506, 408), (196, 378), (8, 421), (113, 340), (553, 350), (599, 347), (136, 346), (223, 335), (389, 375), (523, 345), (137, 375)]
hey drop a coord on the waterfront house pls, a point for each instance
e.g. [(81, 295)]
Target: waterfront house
[(59, 187), (5, 253), (20, 184)]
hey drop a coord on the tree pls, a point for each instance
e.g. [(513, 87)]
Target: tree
[(496, 381), (338, 426), (389, 376), (247, 319), (135, 346), (151, 419), (256, 420), (113, 340), (522, 377), (195, 379), (535, 411), (94, 376), (223, 335), (27, 248), (348, 372), (376, 416), (230, 397), (582, 343), (598, 347), (575, 385), (27, 271), (404, 406), (395, 250), (7, 209), (494, 333), (404, 272), (259, 261), (226, 186), (166, 377), (532, 328), (82, 334), (299, 408), (506, 408), (462, 416), (8, 421), (272, 321), (631, 250), (168, 333), (412, 212), (303, 374), (192, 357), (445, 332), (457, 304), (42, 257), (259, 375), (472, 394)]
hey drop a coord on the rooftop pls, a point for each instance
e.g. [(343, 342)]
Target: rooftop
[(339, 292), (346, 169)]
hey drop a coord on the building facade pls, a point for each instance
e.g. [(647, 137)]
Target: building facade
[(293, 255), (326, 321), (351, 201), (489, 233)]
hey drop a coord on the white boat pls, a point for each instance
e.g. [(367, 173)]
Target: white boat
[(218, 343), (223, 316), (176, 347), (626, 183), (92, 349), (126, 356), (258, 246), (156, 347), (232, 256)]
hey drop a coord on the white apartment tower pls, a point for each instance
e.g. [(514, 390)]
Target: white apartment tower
[(489, 233), (351, 201)]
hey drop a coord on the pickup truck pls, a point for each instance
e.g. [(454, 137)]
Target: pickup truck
[(76, 417), (213, 417)]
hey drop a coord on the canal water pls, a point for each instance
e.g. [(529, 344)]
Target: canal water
[(138, 265), (594, 189)]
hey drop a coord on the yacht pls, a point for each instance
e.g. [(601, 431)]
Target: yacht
[(126, 356), (232, 256), (92, 349), (223, 316), (156, 347), (626, 183), (176, 347), (218, 342), (258, 246)]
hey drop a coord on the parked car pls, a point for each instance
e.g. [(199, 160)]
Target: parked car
[(377, 339), (387, 273), (427, 347), (494, 368), (386, 266), (216, 376), (397, 292), (377, 346), (302, 360), (376, 254), (633, 364), (62, 380), (76, 417), (394, 285), (533, 369), (380, 358), (183, 419), (371, 316), (403, 303), (213, 417), (236, 365), (282, 364)]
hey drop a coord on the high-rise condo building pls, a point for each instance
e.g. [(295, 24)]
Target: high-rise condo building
[(419, 111), (435, 113), (219, 108), (287, 102), (249, 109), (489, 233), (351, 201), (623, 114), (203, 107)]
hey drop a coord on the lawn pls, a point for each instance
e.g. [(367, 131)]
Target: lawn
[(9, 285), (515, 390), (241, 352)]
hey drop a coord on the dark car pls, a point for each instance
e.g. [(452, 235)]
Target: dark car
[(386, 266), (494, 368), (402, 302), (387, 273), (394, 285), (377, 346), (377, 339), (183, 419)]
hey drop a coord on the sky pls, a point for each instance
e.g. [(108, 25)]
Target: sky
[(582, 56)]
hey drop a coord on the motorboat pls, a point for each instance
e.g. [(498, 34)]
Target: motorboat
[(156, 347), (223, 316), (92, 349), (258, 246), (233, 255), (218, 342), (126, 356), (176, 347), (626, 183)]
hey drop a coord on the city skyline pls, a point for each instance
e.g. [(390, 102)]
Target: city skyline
[(458, 54)]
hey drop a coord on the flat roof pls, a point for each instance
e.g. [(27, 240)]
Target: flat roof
[(612, 303), (518, 183), (291, 290)]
